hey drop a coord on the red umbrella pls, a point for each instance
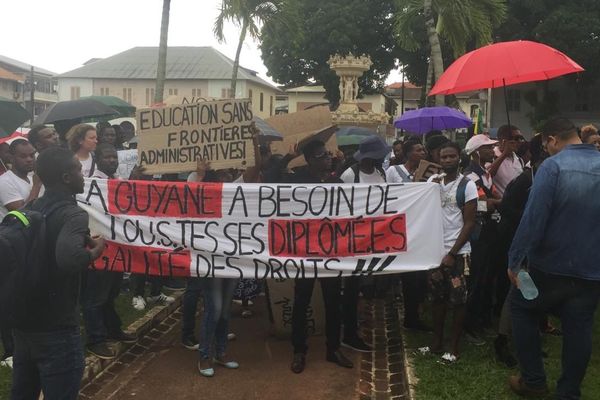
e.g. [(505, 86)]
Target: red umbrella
[(503, 64)]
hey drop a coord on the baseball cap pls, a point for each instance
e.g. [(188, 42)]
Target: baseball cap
[(476, 142)]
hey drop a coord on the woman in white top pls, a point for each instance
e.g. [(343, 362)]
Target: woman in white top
[(82, 140), (414, 152)]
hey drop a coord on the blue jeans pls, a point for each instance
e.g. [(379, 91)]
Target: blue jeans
[(575, 302), (98, 305), (218, 295), (190, 306), (51, 362)]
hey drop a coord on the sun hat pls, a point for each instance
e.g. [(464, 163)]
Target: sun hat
[(372, 147), (478, 141)]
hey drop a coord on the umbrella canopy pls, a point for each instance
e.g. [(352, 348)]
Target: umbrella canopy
[(267, 132), (121, 106), (348, 135), (74, 110), (12, 115), (503, 64), (428, 119)]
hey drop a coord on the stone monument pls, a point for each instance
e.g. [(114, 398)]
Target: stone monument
[(349, 68)]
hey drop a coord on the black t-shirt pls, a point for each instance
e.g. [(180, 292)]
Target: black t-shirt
[(303, 175)]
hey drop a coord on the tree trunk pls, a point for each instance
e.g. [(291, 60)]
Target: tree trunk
[(434, 43), (161, 70), (236, 62)]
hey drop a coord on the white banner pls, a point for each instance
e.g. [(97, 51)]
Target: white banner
[(264, 231)]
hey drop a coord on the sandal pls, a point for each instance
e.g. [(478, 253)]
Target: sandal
[(427, 350)]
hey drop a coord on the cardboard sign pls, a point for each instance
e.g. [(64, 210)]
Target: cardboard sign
[(264, 231), (326, 135), (307, 121), (425, 170), (172, 138)]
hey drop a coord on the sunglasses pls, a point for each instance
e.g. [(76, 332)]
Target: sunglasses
[(326, 154)]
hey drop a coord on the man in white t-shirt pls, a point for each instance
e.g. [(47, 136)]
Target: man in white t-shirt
[(448, 284), (17, 187), (370, 155), (507, 165)]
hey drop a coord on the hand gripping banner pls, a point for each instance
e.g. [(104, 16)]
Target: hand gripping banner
[(264, 231)]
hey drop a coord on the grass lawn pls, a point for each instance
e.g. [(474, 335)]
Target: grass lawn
[(127, 313), (476, 376)]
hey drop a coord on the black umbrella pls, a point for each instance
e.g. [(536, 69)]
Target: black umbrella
[(75, 110), (267, 132), (12, 115)]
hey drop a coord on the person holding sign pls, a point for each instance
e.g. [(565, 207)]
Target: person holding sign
[(318, 171), (448, 283)]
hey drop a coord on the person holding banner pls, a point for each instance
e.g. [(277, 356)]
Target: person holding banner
[(82, 140), (318, 171), (101, 288), (448, 283)]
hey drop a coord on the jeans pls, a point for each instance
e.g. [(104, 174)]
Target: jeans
[(51, 362), (218, 295), (574, 301), (98, 305), (190, 306), (332, 299)]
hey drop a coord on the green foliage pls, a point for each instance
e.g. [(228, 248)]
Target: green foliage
[(249, 13), (295, 47), (544, 107)]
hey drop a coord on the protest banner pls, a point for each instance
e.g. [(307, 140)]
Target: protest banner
[(127, 161), (275, 231), (172, 138), (425, 170)]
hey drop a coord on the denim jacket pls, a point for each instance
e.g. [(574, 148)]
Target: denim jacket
[(560, 229)]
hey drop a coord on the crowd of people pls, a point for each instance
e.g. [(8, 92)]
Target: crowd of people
[(489, 225)]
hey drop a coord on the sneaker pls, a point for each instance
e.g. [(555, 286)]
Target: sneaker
[(190, 343), (162, 299), (337, 357), (123, 337), (205, 367), (101, 350), (224, 362), (177, 285), (356, 344), (246, 314), (298, 363), (7, 362), (474, 338), (231, 336), (138, 303)]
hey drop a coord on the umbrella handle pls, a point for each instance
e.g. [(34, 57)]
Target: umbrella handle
[(506, 102)]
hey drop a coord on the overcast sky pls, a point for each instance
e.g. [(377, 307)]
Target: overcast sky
[(60, 35)]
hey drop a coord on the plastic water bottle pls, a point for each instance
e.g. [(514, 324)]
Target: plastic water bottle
[(527, 286)]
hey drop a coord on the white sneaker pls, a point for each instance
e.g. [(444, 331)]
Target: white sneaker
[(231, 336), (8, 362), (161, 298), (138, 303)]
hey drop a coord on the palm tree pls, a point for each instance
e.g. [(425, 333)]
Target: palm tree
[(249, 15), (161, 70), (459, 22)]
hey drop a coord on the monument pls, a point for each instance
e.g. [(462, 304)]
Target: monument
[(349, 68)]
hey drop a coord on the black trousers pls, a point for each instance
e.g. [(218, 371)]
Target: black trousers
[(414, 290), (350, 306), (303, 290)]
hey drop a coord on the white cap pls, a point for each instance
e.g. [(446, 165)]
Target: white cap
[(477, 141)]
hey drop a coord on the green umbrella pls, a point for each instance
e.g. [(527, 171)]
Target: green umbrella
[(121, 106), (12, 115)]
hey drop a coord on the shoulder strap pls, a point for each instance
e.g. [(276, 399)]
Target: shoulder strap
[(402, 174), (379, 168), (93, 167), (461, 192), (356, 171)]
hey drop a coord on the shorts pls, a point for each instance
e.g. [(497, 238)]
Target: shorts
[(448, 284)]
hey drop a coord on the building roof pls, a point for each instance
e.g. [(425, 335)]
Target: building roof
[(307, 89), (19, 66), (398, 85), (5, 74), (182, 63)]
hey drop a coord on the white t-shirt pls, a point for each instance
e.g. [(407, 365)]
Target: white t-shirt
[(510, 168), (452, 214), (393, 175), (375, 177), (12, 188), (86, 166)]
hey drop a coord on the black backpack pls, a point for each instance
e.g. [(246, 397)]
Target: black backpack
[(356, 169), (25, 260)]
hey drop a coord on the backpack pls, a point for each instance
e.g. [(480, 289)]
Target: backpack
[(24, 268), (355, 168), (460, 202)]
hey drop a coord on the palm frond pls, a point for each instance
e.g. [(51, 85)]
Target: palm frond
[(404, 25)]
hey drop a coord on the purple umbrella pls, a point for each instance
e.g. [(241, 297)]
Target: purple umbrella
[(427, 119)]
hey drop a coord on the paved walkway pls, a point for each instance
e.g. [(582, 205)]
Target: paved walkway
[(158, 367)]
